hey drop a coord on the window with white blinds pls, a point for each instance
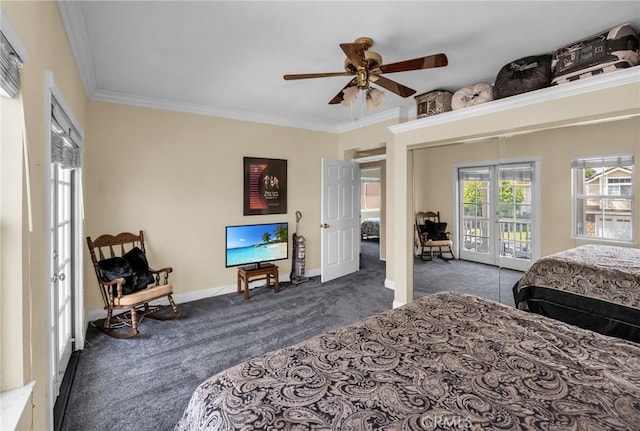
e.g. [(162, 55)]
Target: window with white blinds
[(10, 64), (603, 197)]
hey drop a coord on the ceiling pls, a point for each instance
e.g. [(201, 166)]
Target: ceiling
[(227, 58)]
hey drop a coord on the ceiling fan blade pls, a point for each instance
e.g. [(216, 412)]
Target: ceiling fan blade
[(436, 60), (355, 53), (340, 96), (393, 86), (315, 75)]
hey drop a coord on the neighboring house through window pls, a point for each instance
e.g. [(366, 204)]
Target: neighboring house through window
[(603, 197)]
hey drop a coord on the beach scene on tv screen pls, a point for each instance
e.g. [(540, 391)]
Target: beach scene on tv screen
[(256, 243)]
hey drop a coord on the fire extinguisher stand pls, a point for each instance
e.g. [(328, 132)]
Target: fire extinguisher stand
[(297, 269)]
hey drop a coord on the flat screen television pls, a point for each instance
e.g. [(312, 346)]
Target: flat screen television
[(255, 244)]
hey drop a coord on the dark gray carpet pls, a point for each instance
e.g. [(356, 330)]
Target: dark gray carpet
[(145, 383)]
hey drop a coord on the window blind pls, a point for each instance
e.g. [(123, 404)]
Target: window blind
[(474, 174), (10, 64), (603, 161), (65, 139), (521, 173)]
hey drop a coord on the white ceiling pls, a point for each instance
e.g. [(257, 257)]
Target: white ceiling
[(227, 58)]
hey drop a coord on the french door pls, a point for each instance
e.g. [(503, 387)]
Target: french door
[(65, 258), (496, 208), (62, 271)]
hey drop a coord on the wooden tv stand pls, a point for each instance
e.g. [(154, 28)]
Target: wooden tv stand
[(247, 274)]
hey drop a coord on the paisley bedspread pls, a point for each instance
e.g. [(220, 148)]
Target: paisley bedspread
[(593, 286), (606, 273), (445, 361)]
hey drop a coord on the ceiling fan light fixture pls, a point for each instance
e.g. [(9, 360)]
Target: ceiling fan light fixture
[(349, 95), (366, 67), (375, 98)]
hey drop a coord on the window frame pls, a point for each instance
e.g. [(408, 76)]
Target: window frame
[(580, 195)]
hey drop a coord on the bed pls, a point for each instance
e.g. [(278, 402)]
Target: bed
[(593, 286), (370, 227), (445, 361)]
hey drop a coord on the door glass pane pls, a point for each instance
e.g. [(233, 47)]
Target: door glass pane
[(475, 208), (514, 211)]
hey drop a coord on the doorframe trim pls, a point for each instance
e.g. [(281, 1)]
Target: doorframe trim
[(52, 90)]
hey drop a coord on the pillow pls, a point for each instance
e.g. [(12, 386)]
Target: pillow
[(435, 231), (117, 267), (132, 266), (142, 277), (473, 95)]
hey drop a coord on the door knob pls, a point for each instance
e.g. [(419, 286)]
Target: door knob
[(60, 277), (324, 225)]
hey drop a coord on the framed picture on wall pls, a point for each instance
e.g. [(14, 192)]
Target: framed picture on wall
[(265, 186)]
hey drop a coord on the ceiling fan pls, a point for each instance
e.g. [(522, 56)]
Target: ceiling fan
[(366, 67)]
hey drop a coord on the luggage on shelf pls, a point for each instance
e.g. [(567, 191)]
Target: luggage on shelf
[(432, 103), (523, 75), (603, 52)]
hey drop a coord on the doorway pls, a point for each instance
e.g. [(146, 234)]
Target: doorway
[(373, 199), (65, 254), (496, 214)]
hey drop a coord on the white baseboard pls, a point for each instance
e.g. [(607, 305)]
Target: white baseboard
[(397, 304), (195, 295), (389, 284)]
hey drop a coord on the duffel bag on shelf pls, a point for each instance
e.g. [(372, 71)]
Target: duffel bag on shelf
[(523, 75), (606, 51)]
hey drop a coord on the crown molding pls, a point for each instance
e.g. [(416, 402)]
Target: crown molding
[(73, 19), (369, 120), (167, 105), (575, 88), (402, 113)]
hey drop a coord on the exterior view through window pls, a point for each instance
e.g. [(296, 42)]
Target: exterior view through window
[(603, 197)]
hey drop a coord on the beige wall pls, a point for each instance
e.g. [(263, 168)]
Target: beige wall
[(40, 29), (434, 171), (433, 174), (179, 177), (364, 138)]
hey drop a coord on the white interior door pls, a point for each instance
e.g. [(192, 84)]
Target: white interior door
[(340, 221), (62, 272)]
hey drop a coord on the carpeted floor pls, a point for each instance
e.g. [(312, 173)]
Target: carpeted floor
[(146, 382)]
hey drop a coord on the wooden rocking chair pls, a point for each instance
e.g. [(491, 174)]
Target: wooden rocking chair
[(127, 283), (432, 237)]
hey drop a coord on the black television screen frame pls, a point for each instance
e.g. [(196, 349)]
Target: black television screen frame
[(251, 236)]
